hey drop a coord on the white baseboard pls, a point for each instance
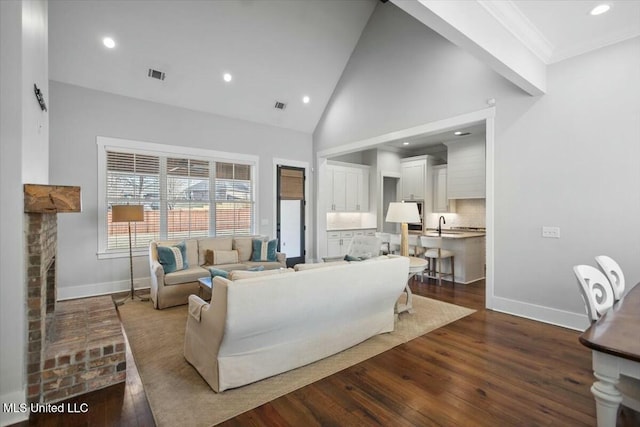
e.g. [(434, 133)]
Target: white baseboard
[(13, 415), (97, 289), (553, 316)]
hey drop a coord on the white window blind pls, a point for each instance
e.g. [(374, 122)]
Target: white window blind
[(187, 198), (133, 179), (233, 199), (175, 193)]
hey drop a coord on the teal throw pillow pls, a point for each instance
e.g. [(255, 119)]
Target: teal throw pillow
[(218, 272), (264, 250), (352, 258), (173, 258)]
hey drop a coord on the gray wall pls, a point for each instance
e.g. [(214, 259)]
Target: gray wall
[(24, 135), (402, 74), (567, 159), (78, 115)]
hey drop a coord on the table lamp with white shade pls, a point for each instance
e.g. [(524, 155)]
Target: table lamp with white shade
[(128, 214), (403, 212)]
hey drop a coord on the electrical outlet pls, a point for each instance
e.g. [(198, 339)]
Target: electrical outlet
[(551, 232)]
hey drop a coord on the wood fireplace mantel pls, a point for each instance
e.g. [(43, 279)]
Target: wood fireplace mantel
[(51, 198)]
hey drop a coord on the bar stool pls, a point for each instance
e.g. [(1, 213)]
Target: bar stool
[(435, 254), (385, 239)]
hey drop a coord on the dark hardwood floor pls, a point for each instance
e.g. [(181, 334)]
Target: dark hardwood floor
[(488, 369)]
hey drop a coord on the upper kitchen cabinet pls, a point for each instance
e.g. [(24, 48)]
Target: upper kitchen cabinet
[(413, 178), (466, 169), (349, 188), (441, 201)]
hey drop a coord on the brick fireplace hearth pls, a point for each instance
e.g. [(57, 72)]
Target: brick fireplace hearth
[(76, 346)]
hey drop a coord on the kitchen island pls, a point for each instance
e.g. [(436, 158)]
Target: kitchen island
[(468, 248)]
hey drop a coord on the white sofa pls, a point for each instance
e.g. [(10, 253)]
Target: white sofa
[(258, 327)]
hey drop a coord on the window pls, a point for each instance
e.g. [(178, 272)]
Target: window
[(174, 190), (234, 208), (187, 198), (133, 179)]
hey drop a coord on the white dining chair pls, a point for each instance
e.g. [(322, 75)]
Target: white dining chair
[(596, 290), (612, 270), (433, 251), (598, 295)]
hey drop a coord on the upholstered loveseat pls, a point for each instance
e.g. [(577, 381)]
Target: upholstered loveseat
[(200, 255), (264, 325)]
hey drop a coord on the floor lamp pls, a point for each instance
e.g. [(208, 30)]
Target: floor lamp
[(128, 214), (403, 213)]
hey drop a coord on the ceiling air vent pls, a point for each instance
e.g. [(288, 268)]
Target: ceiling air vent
[(280, 105), (155, 74)]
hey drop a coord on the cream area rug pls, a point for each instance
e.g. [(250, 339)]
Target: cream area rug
[(179, 396)]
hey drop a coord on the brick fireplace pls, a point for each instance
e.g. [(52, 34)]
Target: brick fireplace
[(76, 346)]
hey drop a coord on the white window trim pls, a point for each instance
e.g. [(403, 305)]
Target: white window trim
[(139, 147)]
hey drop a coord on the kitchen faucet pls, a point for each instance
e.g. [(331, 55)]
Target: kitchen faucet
[(440, 222)]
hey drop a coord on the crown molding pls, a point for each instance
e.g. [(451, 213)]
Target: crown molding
[(588, 46), (512, 18)]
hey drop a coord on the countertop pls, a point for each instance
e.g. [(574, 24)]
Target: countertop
[(350, 228), (450, 234)]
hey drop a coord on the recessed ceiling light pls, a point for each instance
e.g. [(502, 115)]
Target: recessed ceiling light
[(306, 99), (600, 9), (227, 77), (109, 42), (458, 132), (405, 143)]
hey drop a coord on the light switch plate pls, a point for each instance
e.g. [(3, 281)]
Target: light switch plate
[(551, 232)]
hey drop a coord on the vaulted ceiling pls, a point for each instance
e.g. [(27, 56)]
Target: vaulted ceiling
[(275, 50)]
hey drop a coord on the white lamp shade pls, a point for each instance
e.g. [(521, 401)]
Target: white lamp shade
[(403, 212), (127, 213)]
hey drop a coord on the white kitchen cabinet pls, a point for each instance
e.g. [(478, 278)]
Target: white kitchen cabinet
[(365, 232), (413, 179), (338, 188), (348, 188), (338, 241), (466, 169), (335, 245), (363, 191), (441, 202)]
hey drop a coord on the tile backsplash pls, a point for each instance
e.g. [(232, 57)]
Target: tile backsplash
[(469, 213), (350, 220)]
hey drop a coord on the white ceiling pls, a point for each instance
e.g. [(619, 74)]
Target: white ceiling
[(277, 50), (569, 30)]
